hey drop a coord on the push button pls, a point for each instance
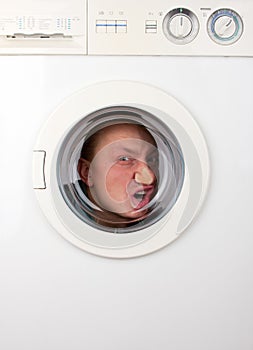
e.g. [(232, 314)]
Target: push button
[(121, 26), (151, 27), (101, 26), (111, 26)]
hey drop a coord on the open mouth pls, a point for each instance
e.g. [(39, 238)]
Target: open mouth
[(141, 198)]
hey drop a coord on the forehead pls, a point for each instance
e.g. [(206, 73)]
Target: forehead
[(122, 132)]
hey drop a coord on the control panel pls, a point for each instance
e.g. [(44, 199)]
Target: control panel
[(119, 27), (170, 27)]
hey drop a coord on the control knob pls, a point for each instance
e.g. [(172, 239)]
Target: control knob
[(180, 26), (225, 27)]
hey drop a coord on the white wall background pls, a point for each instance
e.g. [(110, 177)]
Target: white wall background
[(192, 295)]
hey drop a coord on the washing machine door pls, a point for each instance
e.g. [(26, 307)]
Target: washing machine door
[(120, 169)]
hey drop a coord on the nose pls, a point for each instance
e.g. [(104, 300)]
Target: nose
[(143, 174)]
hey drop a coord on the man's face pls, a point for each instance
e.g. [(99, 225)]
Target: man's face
[(121, 177)]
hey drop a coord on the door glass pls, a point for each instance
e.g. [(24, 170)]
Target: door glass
[(120, 169)]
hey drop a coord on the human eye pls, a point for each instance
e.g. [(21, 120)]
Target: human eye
[(125, 160)]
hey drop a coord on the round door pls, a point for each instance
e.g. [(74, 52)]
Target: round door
[(120, 169)]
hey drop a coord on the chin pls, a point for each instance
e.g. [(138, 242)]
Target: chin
[(134, 214)]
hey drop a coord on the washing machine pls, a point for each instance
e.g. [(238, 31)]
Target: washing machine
[(126, 174)]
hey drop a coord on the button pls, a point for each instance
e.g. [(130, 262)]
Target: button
[(111, 26), (121, 26), (101, 26), (151, 26)]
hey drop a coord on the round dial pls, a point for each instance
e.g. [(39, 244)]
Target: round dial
[(225, 26), (180, 26)]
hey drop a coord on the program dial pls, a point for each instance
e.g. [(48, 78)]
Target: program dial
[(180, 26), (225, 26)]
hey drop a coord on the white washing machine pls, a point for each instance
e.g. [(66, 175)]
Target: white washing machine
[(164, 89)]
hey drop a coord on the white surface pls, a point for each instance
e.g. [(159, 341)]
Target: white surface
[(192, 295)]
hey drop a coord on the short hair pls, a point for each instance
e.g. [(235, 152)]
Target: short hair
[(91, 142)]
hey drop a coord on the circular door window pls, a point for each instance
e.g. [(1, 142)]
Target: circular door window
[(120, 169)]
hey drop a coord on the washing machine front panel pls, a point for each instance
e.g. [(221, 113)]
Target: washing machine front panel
[(181, 178), (118, 27), (198, 28), (208, 268)]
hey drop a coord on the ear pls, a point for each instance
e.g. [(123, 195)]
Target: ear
[(83, 170)]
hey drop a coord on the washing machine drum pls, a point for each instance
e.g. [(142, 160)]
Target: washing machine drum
[(120, 169)]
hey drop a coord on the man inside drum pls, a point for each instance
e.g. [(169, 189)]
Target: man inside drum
[(119, 166)]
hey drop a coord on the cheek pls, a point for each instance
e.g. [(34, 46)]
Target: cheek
[(117, 180)]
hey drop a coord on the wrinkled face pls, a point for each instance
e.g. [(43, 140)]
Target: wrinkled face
[(121, 176)]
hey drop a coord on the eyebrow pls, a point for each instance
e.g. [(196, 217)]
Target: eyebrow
[(128, 150), (134, 152)]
